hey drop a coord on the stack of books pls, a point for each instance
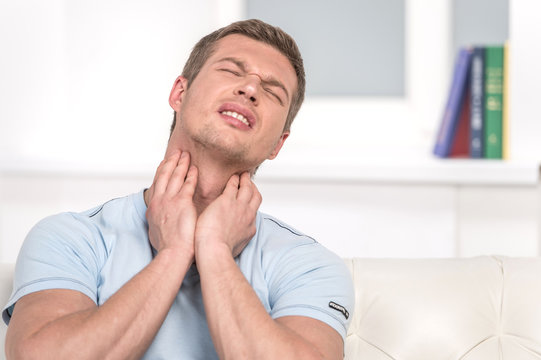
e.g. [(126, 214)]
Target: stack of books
[(475, 121)]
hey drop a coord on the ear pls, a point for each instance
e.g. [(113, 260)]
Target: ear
[(279, 145), (177, 93)]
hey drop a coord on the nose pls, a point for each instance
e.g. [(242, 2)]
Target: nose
[(249, 88)]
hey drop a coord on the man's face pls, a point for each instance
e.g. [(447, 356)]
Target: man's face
[(237, 105)]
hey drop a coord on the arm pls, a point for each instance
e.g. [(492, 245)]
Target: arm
[(239, 324), (65, 324)]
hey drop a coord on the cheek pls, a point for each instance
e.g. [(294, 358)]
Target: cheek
[(278, 122), (272, 137), (195, 107)]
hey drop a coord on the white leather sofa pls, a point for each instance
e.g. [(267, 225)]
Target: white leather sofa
[(484, 308)]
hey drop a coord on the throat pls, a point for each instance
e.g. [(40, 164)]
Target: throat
[(212, 179)]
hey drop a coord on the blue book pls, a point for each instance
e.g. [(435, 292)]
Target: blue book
[(477, 103), (449, 122)]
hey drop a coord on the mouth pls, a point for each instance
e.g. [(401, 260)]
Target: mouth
[(244, 117), (237, 116)]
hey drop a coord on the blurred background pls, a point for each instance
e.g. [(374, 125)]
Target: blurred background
[(84, 117)]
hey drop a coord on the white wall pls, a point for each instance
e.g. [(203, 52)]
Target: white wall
[(85, 83), (525, 84)]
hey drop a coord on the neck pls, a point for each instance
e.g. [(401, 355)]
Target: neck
[(213, 174)]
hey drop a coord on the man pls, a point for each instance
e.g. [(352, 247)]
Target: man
[(189, 268)]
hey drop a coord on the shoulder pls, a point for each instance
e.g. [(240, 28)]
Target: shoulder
[(118, 212), (303, 277), (281, 241), (289, 256), (69, 250), (79, 235), (276, 233), (89, 230), (115, 212), (58, 231)]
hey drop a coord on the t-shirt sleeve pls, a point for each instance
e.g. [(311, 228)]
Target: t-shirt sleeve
[(311, 281), (60, 252)]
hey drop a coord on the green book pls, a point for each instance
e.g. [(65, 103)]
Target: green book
[(493, 102)]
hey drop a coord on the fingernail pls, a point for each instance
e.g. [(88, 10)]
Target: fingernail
[(184, 154)]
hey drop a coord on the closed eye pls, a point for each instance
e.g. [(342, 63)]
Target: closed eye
[(236, 73), (274, 94)]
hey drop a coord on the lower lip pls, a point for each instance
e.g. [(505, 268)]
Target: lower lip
[(234, 122)]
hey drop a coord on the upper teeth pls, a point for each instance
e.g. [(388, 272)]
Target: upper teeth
[(237, 116)]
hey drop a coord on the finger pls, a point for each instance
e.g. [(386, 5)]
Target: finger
[(188, 188), (246, 189), (162, 164), (256, 199), (176, 180), (150, 195), (232, 186), (164, 173), (156, 174)]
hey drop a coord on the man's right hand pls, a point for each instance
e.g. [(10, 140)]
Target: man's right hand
[(171, 213), (66, 324)]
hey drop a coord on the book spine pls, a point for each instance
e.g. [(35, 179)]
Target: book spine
[(505, 116), (461, 142), (477, 104), (455, 99), (493, 102)]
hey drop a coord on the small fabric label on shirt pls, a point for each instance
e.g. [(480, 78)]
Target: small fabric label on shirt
[(340, 308)]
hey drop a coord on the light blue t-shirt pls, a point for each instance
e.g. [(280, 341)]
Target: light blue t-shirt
[(97, 251)]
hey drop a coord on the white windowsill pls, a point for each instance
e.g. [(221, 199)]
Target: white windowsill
[(429, 170), (321, 169)]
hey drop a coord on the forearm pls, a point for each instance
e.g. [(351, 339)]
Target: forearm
[(239, 324), (124, 326)]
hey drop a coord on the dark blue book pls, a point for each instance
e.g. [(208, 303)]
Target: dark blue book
[(449, 122), (477, 103)]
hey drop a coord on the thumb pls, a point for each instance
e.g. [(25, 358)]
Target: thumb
[(232, 186)]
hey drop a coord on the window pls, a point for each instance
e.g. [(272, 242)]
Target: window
[(350, 48)]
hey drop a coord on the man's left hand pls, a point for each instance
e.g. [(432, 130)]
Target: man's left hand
[(230, 219)]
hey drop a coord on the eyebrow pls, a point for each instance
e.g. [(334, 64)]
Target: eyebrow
[(268, 80)]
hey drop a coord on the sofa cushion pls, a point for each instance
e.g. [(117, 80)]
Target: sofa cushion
[(474, 308)]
